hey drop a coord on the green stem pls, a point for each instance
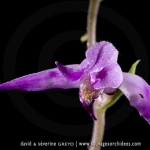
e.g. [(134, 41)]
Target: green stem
[(91, 22), (98, 128)]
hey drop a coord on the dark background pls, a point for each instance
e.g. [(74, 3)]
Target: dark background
[(15, 126)]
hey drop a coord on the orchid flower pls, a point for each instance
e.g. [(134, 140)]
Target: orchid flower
[(98, 73)]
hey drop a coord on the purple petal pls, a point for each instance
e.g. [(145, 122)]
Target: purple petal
[(100, 55), (138, 92), (84, 64), (71, 73), (40, 81), (88, 107), (88, 94), (109, 77)]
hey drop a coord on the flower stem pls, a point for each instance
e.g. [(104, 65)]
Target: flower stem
[(98, 129), (91, 22)]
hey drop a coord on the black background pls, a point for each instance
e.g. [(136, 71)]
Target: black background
[(15, 126)]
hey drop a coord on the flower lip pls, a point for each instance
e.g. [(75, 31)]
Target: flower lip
[(88, 94), (88, 105), (89, 108)]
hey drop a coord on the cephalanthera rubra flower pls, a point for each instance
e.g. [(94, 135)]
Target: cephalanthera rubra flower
[(98, 73)]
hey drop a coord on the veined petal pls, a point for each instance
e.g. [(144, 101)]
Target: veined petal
[(138, 92), (72, 72), (100, 55), (109, 77), (44, 80)]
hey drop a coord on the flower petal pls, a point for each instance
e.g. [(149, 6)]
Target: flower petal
[(88, 94), (100, 55), (84, 64), (88, 107), (71, 73), (138, 92), (44, 80), (109, 77)]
